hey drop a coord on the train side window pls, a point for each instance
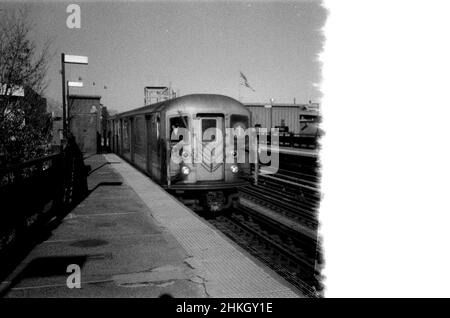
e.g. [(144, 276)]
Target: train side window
[(239, 121), (157, 126), (157, 135), (175, 123), (209, 127), (240, 124)]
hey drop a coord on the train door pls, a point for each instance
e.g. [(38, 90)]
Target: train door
[(111, 135), (209, 144), (148, 128), (154, 155), (121, 137), (132, 136), (179, 142), (126, 142), (116, 136)]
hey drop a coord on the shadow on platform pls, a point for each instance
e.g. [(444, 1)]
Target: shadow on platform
[(74, 173)]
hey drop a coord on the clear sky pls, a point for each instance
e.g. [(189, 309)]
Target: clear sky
[(200, 47)]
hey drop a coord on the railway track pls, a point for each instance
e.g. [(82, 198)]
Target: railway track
[(289, 253), (301, 212), (306, 193), (293, 194), (309, 177), (278, 225)]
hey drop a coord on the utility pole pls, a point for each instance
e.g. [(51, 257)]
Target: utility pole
[(70, 59)]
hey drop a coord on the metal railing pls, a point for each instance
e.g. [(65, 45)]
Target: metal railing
[(292, 140), (34, 192)]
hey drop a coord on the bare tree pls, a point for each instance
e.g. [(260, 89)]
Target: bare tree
[(23, 118)]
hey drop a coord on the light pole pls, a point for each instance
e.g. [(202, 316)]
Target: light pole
[(271, 112), (63, 78), (270, 106), (68, 59)]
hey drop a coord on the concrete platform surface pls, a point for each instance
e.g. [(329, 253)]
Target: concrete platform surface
[(132, 239)]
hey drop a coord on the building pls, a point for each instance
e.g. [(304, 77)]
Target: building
[(24, 110), (282, 115), (84, 114), (156, 94), (32, 104)]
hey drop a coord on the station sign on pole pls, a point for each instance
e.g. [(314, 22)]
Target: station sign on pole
[(75, 84), (75, 59)]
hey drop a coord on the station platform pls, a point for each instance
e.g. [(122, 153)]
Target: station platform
[(133, 239)]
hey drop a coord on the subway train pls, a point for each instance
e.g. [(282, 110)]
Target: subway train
[(184, 146)]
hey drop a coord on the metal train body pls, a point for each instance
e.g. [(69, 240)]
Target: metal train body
[(147, 138)]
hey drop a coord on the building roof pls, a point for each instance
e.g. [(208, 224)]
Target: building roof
[(281, 105), (304, 109), (85, 96)]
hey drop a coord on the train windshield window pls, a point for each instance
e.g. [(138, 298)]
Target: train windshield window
[(209, 127), (176, 134)]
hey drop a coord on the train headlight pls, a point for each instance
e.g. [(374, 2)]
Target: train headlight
[(234, 168), (185, 170)]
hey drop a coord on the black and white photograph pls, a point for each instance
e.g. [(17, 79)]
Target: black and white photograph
[(165, 149), (245, 150)]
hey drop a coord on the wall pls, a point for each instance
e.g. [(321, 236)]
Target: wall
[(290, 113), (85, 121)]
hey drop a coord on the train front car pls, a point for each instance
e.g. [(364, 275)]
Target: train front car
[(207, 149)]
